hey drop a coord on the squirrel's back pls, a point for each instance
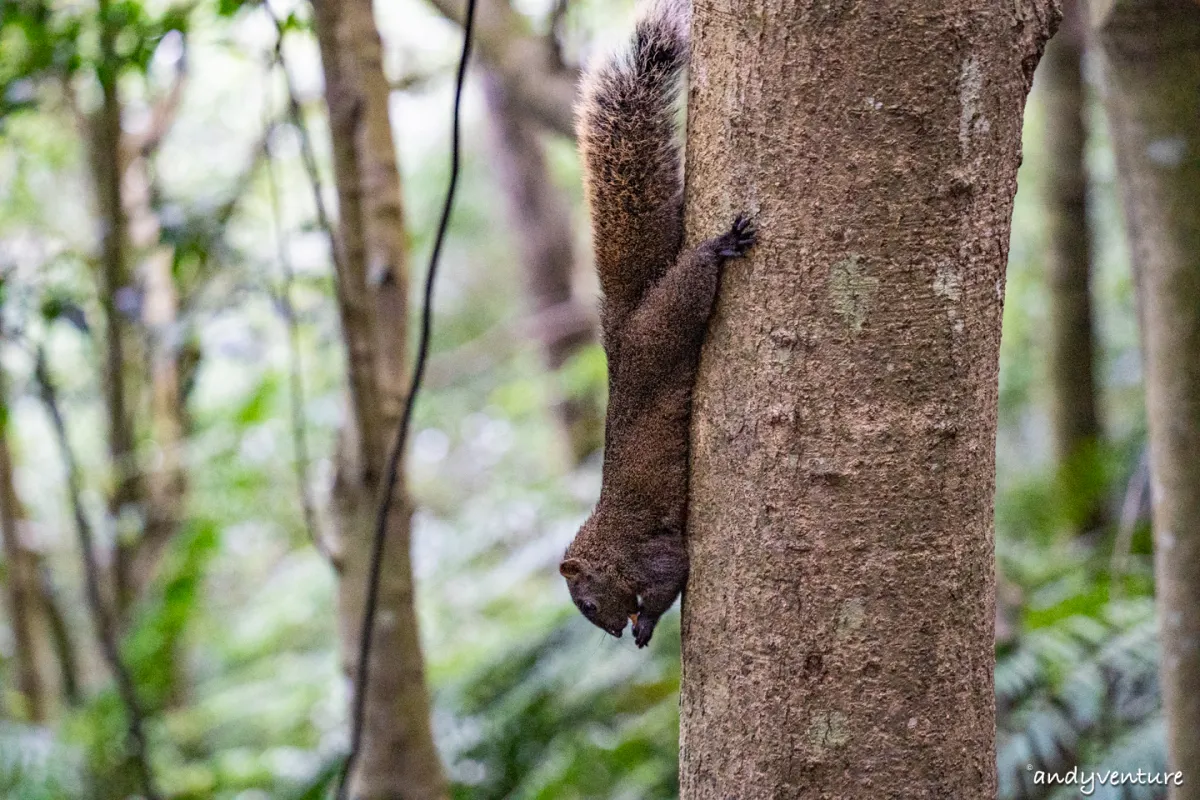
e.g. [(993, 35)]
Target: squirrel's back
[(628, 138), (629, 560)]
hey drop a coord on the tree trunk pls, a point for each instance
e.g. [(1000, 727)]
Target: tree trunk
[(1150, 52), (118, 302), (1072, 384), (24, 610), (398, 758), (39, 629), (165, 487), (541, 229), (838, 617)]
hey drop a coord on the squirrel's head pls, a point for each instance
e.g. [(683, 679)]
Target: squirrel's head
[(600, 595)]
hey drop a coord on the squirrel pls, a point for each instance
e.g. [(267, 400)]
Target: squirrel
[(629, 560)]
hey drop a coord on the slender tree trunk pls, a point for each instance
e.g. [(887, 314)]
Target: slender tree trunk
[(162, 489), (23, 596), (165, 486), (541, 229), (838, 618), (118, 302), (146, 509), (39, 628), (1072, 383), (354, 305), (1151, 57), (398, 758)]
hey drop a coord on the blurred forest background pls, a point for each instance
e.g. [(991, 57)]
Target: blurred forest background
[(209, 502)]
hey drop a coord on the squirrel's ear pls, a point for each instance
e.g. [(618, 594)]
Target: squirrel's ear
[(570, 568)]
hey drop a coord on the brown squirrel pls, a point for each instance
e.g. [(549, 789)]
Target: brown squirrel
[(629, 560)]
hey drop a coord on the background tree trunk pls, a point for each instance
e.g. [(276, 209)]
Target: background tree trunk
[(23, 598), (540, 227), (1072, 383), (528, 65), (398, 757), (118, 302), (837, 624), (165, 486), (141, 369), (1151, 57)]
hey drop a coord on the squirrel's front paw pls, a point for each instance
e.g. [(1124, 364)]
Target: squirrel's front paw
[(643, 629), (739, 240)]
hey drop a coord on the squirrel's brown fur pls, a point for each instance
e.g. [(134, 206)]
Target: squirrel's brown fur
[(629, 558)]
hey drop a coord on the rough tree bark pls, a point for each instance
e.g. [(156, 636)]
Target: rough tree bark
[(541, 229), (1072, 383), (398, 758), (838, 618), (1150, 53)]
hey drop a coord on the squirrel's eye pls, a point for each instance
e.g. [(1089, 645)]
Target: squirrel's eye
[(588, 607)]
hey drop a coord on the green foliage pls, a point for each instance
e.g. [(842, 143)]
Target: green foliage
[(563, 714), (34, 766), (35, 39), (1080, 691), (1078, 683), (585, 374), (97, 730), (152, 647), (138, 31), (1076, 673), (40, 40)]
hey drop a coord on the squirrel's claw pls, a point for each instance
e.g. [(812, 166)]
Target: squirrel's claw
[(741, 237), (643, 630)]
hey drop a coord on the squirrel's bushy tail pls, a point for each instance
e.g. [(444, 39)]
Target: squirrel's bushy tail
[(629, 142), (660, 43)]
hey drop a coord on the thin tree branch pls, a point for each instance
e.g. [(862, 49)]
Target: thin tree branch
[(558, 23), (1131, 508), (60, 635), (134, 715), (413, 80), (307, 153), (295, 365), (163, 114)]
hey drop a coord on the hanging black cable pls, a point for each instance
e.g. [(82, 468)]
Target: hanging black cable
[(395, 455)]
